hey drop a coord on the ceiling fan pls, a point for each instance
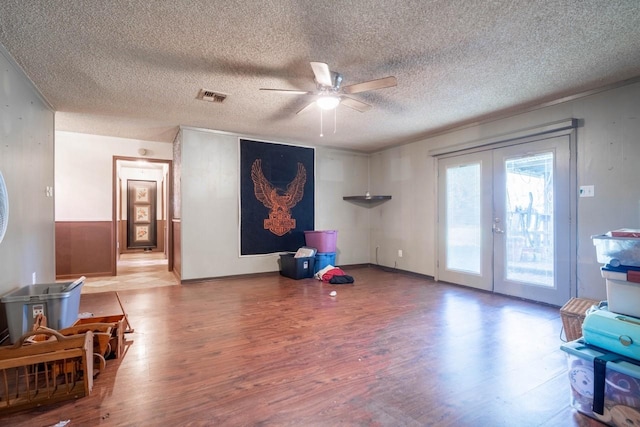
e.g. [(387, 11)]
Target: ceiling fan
[(329, 93)]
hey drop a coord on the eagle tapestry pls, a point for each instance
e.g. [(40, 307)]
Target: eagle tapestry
[(276, 196)]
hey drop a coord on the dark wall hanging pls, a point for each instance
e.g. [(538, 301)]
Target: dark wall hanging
[(141, 214), (276, 196)]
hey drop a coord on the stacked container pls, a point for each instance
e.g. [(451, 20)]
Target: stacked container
[(325, 243), (299, 265), (604, 366), (619, 251)]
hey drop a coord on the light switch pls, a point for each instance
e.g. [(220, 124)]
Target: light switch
[(587, 191)]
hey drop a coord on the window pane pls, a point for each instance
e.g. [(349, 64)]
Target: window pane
[(463, 237), (529, 235)]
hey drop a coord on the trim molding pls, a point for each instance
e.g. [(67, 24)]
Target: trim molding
[(273, 273), (566, 124)]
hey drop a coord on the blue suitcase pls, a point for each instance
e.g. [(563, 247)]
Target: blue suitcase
[(614, 332)]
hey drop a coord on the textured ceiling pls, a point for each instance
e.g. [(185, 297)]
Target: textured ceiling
[(134, 68)]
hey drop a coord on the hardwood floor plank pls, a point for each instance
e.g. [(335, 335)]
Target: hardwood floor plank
[(392, 349)]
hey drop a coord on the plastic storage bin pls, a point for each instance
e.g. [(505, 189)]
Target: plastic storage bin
[(621, 401), (324, 259), (623, 297), (617, 251), (59, 302), (296, 268), (323, 241)]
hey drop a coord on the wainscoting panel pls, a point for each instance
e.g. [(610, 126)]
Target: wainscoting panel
[(84, 248), (177, 251)]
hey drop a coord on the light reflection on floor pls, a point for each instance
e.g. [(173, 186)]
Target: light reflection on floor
[(135, 271)]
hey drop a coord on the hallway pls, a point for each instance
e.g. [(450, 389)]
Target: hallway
[(141, 270)]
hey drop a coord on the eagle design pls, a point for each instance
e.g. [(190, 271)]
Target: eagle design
[(277, 200)]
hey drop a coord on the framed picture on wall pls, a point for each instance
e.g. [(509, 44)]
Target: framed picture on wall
[(277, 189), (142, 213), (142, 233), (141, 195)]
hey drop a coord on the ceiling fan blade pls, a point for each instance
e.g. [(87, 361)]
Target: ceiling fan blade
[(355, 104), (322, 73), (371, 85), (289, 91), (306, 107)]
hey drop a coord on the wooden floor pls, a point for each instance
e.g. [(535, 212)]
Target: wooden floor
[(390, 350)]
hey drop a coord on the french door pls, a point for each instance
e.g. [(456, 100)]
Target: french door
[(504, 220)]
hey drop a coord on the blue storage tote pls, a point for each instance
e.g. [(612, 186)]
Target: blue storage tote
[(324, 259)]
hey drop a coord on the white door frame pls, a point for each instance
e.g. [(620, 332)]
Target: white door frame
[(563, 127)]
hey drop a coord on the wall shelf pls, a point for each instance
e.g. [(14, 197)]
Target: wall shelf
[(367, 198)]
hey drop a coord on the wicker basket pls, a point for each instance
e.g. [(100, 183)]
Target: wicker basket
[(573, 314)]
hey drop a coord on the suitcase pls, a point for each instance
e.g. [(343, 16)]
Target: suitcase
[(612, 331)]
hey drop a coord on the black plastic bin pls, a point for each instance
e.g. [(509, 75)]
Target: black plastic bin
[(296, 268)]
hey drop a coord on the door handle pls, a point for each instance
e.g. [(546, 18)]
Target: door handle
[(497, 229)]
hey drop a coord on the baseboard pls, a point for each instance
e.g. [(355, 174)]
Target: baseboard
[(345, 268)]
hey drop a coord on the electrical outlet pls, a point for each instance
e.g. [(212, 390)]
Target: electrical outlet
[(399, 253)]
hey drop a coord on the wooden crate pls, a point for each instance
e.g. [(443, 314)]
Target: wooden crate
[(33, 374), (573, 314), (117, 323), (102, 335)]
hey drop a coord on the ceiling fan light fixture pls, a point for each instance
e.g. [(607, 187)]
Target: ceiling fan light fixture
[(328, 102)]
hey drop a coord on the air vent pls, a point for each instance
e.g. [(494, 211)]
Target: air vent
[(211, 96)]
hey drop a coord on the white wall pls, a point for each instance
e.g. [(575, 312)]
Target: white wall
[(210, 211), (26, 150), (84, 172), (342, 173), (406, 222), (608, 156)]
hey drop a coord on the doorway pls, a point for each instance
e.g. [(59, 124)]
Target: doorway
[(505, 219), (150, 214)]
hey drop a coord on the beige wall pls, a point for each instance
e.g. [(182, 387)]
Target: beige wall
[(26, 152), (406, 222), (210, 211), (608, 155)]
